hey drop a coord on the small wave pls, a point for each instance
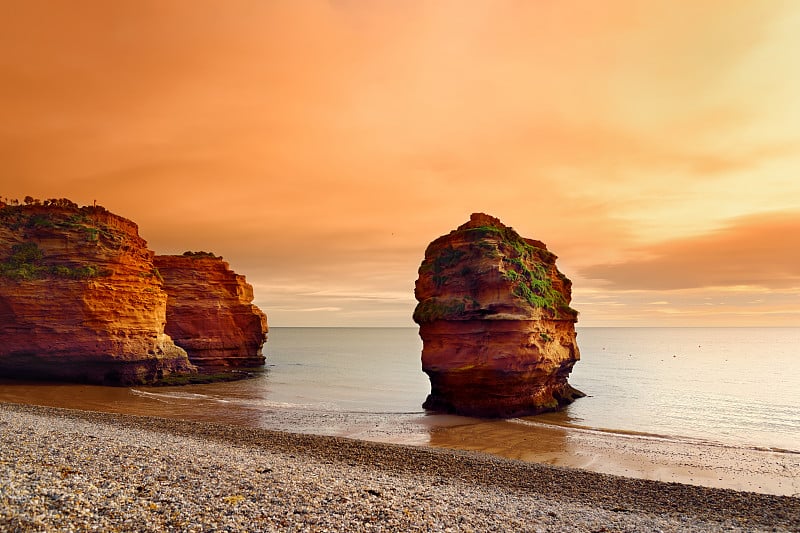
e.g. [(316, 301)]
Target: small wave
[(166, 397), (149, 395), (173, 395), (289, 405), (776, 450), (586, 429)]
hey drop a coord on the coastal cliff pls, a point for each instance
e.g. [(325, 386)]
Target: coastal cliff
[(210, 311), (80, 298), (497, 330)]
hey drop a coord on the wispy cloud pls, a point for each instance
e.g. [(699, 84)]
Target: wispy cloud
[(758, 250)]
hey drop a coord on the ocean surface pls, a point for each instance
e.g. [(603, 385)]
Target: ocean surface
[(730, 386)]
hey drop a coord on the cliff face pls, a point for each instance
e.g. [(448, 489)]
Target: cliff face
[(498, 333), (80, 298), (210, 312)]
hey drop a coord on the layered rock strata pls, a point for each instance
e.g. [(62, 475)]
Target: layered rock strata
[(210, 311), (497, 330), (80, 298)]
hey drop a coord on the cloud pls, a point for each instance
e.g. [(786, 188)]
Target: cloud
[(327, 164), (716, 306), (758, 250), (316, 309)]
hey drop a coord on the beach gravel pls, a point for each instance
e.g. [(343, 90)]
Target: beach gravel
[(65, 470)]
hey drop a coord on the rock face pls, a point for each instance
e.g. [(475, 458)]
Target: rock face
[(80, 298), (210, 311), (497, 330)]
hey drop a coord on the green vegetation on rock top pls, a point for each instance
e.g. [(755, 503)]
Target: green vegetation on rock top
[(27, 263), (35, 218), (57, 215), (201, 254), (513, 239), (528, 268), (443, 309)]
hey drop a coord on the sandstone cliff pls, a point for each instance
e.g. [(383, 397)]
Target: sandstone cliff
[(80, 298), (210, 311), (498, 333)]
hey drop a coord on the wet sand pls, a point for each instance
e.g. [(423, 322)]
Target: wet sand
[(68, 469), (638, 456)]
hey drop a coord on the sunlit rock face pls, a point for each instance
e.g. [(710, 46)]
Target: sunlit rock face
[(80, 298), (210, 311), (497, 330)]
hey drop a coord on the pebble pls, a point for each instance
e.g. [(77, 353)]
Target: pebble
[(68, 470)]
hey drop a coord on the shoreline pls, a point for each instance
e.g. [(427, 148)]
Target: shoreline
[(710, 464), (410, 483)]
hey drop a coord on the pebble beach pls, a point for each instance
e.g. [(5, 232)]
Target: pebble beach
[(70, 470)]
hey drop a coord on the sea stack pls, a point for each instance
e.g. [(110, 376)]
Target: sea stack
[(80, 298), (210, 311), (497, 330)]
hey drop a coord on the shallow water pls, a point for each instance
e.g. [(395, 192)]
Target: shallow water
[(738, 386), (733, 386)]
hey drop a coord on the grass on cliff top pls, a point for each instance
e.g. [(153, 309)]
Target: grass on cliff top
[(527, 267), (513, 239), (55, 214), (201, 254), (27, 262)]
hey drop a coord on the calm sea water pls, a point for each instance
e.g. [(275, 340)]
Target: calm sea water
[(734, 386), (737, 386)]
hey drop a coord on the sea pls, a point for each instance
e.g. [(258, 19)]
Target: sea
[(728, 386)]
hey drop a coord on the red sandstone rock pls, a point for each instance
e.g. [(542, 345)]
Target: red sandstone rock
[(80, 299), (498, 333), (210, 312)]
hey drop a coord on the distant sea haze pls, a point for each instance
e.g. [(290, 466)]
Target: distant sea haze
[(732, 386)]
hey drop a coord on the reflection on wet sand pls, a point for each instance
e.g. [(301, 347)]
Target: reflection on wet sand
[(641, 456), (166, 402), (502, 437)]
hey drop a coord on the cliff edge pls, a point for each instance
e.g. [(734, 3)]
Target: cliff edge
[(210, 311), (498, 332), (80, 298)]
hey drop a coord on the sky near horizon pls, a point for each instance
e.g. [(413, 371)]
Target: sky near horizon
[(320, 146)]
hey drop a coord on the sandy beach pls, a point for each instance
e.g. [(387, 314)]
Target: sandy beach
[(67, 469)]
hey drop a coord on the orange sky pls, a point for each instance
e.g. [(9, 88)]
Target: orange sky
[(319, 146)]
